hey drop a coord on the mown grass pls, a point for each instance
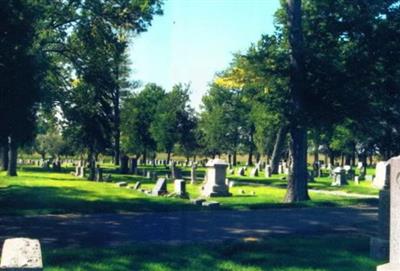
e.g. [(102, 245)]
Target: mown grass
[(272, 254), (36, 191), (322, 183)]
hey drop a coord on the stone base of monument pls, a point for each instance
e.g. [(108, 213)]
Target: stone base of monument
[(389, 267), (379, 248), (216, 191)]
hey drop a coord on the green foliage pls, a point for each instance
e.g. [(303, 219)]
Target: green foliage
[(173, 120), (138, 113)]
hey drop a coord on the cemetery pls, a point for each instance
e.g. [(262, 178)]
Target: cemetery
[(164, 135)]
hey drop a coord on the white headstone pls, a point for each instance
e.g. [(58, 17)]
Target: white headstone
[(380, 174), (20, 254), (216, 174), (394, 240)]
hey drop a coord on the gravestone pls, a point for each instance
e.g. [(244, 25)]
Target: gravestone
[(311, 176), (82, 172), (280, 169), (394, 235), (121, 184), (380, 174), (137, 185), (180, 187), (175, 172), (268, 171), (317, 169), (254, 172), (21, 254), (339, 177), (99, 174), (241, 171), (148, 175), (133, 166), (160, 188), (193, 173), (124, 164), (216, 175), (77, 171), (379, 245)]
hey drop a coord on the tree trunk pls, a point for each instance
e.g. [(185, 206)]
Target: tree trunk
[(234, 159), (230, 159), (297, 181), (168, 156), (4, 158), (92, 165), (144, 156), (278, 147), (316, 150), (258, 156), (12, 158)]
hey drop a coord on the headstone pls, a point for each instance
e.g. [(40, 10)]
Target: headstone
[(379, 245), (175, 172), (280, 169), (311, 176), (133, 165), (137, 185), (317, 169), (180, 187), (286, 170), (197, 201), (124, 164), (160, 188), (121, 184), (254, 172), (210, 204), (394, 235), (241, 171), (339, 177), (369, 178), (21, 254), (268, 171), (356, 180), (99, 174), (380, 174), (82, 172), (193, 173), (148, 175), (216, 175), (77, 171), (359, 165)]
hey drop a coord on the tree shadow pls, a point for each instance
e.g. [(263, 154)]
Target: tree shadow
[(281, 253)]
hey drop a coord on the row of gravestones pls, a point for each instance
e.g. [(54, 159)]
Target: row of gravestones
[(340, 176)]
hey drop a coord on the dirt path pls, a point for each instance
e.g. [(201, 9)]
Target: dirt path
[(176, 227)]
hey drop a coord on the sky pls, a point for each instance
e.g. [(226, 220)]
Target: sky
[(194, 39)]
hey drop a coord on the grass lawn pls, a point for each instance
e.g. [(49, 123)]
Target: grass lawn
[(36, 191), (323, 183), (272, 254)]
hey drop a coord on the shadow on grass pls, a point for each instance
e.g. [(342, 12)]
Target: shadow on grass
[(21, 200), (278, 254)]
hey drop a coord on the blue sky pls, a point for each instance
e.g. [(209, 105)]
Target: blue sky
[(194, 39)]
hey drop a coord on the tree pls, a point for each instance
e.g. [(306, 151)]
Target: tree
[(19, 83), (171, 115), (297, 180), (137, 114)]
